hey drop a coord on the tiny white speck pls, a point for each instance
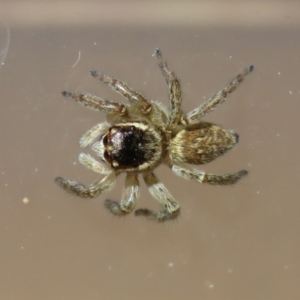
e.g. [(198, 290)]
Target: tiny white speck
[(230, 57), (74, 163), (25, 200), (170, 265), (36, 169), (279, 73), (22, 247), (258, 192), (49, 217), (95, 43), (229, 271), (290, 92), (109, 268), (209, 284), (278, 134)]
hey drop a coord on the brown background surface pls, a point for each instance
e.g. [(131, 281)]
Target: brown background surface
[(239, 242)]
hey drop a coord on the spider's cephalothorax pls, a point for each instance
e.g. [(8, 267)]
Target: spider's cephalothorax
[(141, 135), (132, 147)]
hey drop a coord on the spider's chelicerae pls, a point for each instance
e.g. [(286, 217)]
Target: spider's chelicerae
[(143, 134)]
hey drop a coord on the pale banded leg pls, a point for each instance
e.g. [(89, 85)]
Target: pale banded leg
[(174, 91), (97, 188), (162, 195), (196, 175), (89, 137), (197, 114), (91, 163), (133, 97), (97, 103), (129, 198)]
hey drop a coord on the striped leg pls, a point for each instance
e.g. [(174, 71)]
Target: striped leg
[(174, 91), (165, 199), (202, 177), (101, 186), (129, 198), (197, 114)]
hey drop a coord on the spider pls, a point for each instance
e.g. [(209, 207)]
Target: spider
[(139, 136)]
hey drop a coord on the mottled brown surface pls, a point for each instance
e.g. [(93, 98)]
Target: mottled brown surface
[(202, 143), (236, 242)]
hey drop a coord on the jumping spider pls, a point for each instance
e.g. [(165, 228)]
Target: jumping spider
[(143, 134)]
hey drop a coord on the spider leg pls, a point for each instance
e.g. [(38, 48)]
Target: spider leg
[(97, 103), (154, 110), (129, 198), (89, 137), (91, 163), (162, 195), (196, 175), (174, 91), (195, 115), (97, 188), (133, 97)]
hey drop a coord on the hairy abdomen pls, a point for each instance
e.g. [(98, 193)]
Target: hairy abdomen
[(201, 143)]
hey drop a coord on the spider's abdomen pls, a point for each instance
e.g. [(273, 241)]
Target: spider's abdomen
[(133, 147), (201, 143)]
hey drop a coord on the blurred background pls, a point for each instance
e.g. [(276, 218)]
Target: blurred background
[(235, 242)]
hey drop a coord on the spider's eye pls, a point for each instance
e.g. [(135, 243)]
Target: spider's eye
[(105, 139)]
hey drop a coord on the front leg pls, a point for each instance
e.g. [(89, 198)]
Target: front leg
[(161, 194), (174, 91), (101, 186), (129, 198)]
